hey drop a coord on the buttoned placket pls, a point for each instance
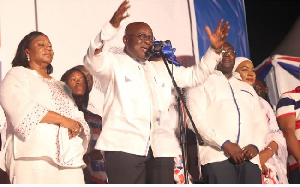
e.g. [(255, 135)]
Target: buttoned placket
[(147, 85)]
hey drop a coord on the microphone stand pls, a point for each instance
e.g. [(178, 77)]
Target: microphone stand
[(181, 122), (183, 141)]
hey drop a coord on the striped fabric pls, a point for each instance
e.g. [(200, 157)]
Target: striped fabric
[(289, 104), (96, 167)]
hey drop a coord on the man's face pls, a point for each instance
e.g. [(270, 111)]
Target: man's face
[(228, 59), (137, 41)]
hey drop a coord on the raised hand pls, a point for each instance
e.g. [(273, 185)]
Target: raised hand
[(119, 14), (218, 38)]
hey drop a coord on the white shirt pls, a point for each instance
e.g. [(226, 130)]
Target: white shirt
[(226, 109), (137, 98)]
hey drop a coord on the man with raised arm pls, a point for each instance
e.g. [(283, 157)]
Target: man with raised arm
[(139, 147), (228, 116)]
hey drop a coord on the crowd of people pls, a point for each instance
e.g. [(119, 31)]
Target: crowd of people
[(49, 135)]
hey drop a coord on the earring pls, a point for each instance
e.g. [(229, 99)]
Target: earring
[(28, 58)]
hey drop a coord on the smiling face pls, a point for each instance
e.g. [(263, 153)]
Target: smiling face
[(138, 38), (40, 52), (228, 59), (247, 72), (77, 83)]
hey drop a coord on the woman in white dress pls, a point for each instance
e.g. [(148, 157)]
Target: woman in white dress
[(47, 135), (273, 158)]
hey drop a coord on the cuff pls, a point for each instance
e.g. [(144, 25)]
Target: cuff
[(224, 144), (255, 147), (108, 32)]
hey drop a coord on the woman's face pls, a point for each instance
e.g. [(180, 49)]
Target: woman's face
[(40, 51), (77, 83), (247, 72), (88, 76)]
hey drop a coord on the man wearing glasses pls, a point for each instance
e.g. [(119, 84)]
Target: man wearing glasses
[(228, 116), (139, 147)]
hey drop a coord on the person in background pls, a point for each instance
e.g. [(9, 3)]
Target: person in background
[(262, 89), (47, 135), (137, 99), (81, 82), (273, 158), (228, 116), (288, 117)]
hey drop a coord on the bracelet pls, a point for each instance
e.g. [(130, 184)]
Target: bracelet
[(270, 149)]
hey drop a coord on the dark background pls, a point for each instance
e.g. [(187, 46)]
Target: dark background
[(267, 24)]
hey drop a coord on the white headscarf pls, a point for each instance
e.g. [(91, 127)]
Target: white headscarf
[(238, 61)]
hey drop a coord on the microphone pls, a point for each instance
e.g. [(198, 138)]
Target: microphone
[(163, 49), (155, 49)]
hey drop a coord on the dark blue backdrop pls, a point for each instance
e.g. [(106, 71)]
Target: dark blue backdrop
[(210, 12)]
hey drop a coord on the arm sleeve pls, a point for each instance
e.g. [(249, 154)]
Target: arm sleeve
[(197, 74), (261, 125), (100, 65), (274, 133), (23, 112), (196, 102), (285, 106)]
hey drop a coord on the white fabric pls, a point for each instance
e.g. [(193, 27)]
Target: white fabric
[(216, 107), (278, 162), (21, 91), (41, 171), (137, 97), (70, 149), (279, 80), (2, 119), (238, 61), (96, 98), (2, 127)]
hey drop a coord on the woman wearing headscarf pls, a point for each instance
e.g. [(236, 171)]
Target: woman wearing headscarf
[(273, 158)]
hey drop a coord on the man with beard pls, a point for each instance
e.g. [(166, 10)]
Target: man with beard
[(139, 146), (228, 116)]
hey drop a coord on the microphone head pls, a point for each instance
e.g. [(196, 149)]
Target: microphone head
[(149, 52), (158, 45)]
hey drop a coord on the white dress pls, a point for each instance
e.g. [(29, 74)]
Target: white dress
[(26, 97)]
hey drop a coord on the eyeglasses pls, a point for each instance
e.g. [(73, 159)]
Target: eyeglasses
[(144, 37), (228, 52)]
